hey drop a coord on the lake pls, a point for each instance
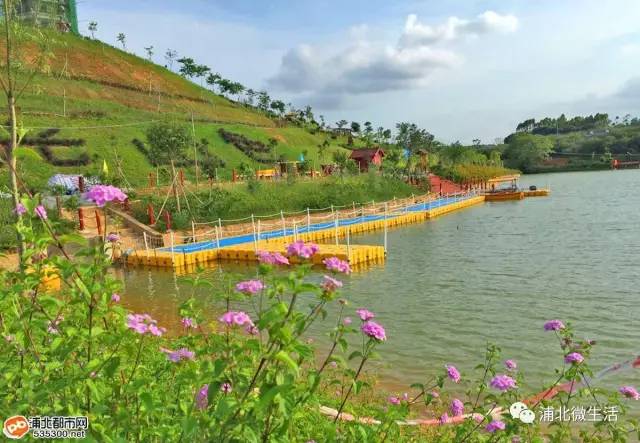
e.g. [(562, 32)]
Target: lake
[(494, 272)]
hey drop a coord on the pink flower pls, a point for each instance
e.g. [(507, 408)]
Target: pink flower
[(202, 397), (226, 387), (102, 194), (250, 287), (236, 318), (510, 365), (364, 314), (143, 324), (453, 373), (180, 354), (333, 364), (457, 407), (502, 382), (435, 394), (41, 212), (252, 330), (444, 418), (330, 284), (113, 237), (115, 297), (553, 325), (336, 265), (394, 400), (346, 321), (272, 258), (574, 357), (630, 392), (405, 396), (495, 425), (299, 249), (188, 323), (373, 330), (20, 209)]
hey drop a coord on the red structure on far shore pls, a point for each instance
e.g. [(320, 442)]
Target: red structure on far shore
[(365, 157)]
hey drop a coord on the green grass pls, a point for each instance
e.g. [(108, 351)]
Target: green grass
[(80, 70)]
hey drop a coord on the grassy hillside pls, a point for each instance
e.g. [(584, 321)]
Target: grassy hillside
[(107, 97)]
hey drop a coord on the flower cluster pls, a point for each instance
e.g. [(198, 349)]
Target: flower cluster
[(574, 357), (503, 382), (630, 392), (226, 388), (238, 318), (553, 325), (20, 209), (115, 297), (457, 407), (250, 287), (113, 237), (202, 397), (41, 212), (144, 324), (102, 194), (272, 258), (302, 250), (336, 265), (188, 323), (510, 365), (495, 425), (330, 284), (373, 330), (453, 373), (364, 314), (180, 354)]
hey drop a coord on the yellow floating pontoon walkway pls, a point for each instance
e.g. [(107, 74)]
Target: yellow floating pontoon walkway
[(244, 247)]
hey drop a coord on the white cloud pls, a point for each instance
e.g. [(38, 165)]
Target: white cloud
[(365, 66), (416, 33)]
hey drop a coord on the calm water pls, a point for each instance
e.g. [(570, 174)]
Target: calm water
[(494, 272)]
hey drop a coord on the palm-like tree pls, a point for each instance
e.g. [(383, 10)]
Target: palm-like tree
[(123, 41), (149, 50), (170, 56), (93, 28)]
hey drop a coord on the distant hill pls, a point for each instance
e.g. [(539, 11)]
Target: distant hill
[(101, 98)]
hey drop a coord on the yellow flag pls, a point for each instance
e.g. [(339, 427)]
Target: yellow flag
[(105, 168)]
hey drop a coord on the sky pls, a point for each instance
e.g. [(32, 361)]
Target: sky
[(462, 69)]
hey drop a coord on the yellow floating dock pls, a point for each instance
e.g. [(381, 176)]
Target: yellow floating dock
[(356, 255)]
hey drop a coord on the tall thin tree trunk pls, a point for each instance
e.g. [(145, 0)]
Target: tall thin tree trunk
[(13, 164)]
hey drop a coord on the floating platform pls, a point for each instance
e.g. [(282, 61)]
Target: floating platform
[(504, 196), (537, 193), (244, 247)]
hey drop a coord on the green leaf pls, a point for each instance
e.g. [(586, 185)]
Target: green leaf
[(287, 360)]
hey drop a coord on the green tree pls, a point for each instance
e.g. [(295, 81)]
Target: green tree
[(167, 141), (355, 127), (93, 28), (188, 68), (413, 139), (527, 150), (341, 124), (278, 106), (123, 40), (170, 56), (149, 51), (213, 79)]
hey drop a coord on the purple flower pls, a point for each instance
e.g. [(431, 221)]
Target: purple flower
[(346, 321), (226, 387), (405, 396), (630, 392), (457, 407), (394, 400), (453, 373), (272, 258), (252, 330), (113, 237), (115, 297), (510, 365), (180, 354), (435, 394), (330, 284), (102, 194), (143, 324), (495, 425), (364, 314), (444, 418), (20, 209), (502, 382), (553, 325), (373, 330), (299, 249), (336, 265), (202, 397), (574, 357), (188, 323), (238, 318), (41, 212), (250, 287)]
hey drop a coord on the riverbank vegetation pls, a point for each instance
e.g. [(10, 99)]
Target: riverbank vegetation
[(254, 374)]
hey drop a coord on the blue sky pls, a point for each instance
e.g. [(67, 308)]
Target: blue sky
[(461, 69)]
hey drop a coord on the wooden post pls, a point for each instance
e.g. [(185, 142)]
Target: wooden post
[(284, 224), (167, 219), (335, 226), (259, 229), (80, 219), (217, 237), (151, 179), (234, 176), (308, 220), (172, 243), (255, 240), (195, 148), (152, 218), (193, 231), (98, 223), (146, 244), (59, 206), (81, 184)]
